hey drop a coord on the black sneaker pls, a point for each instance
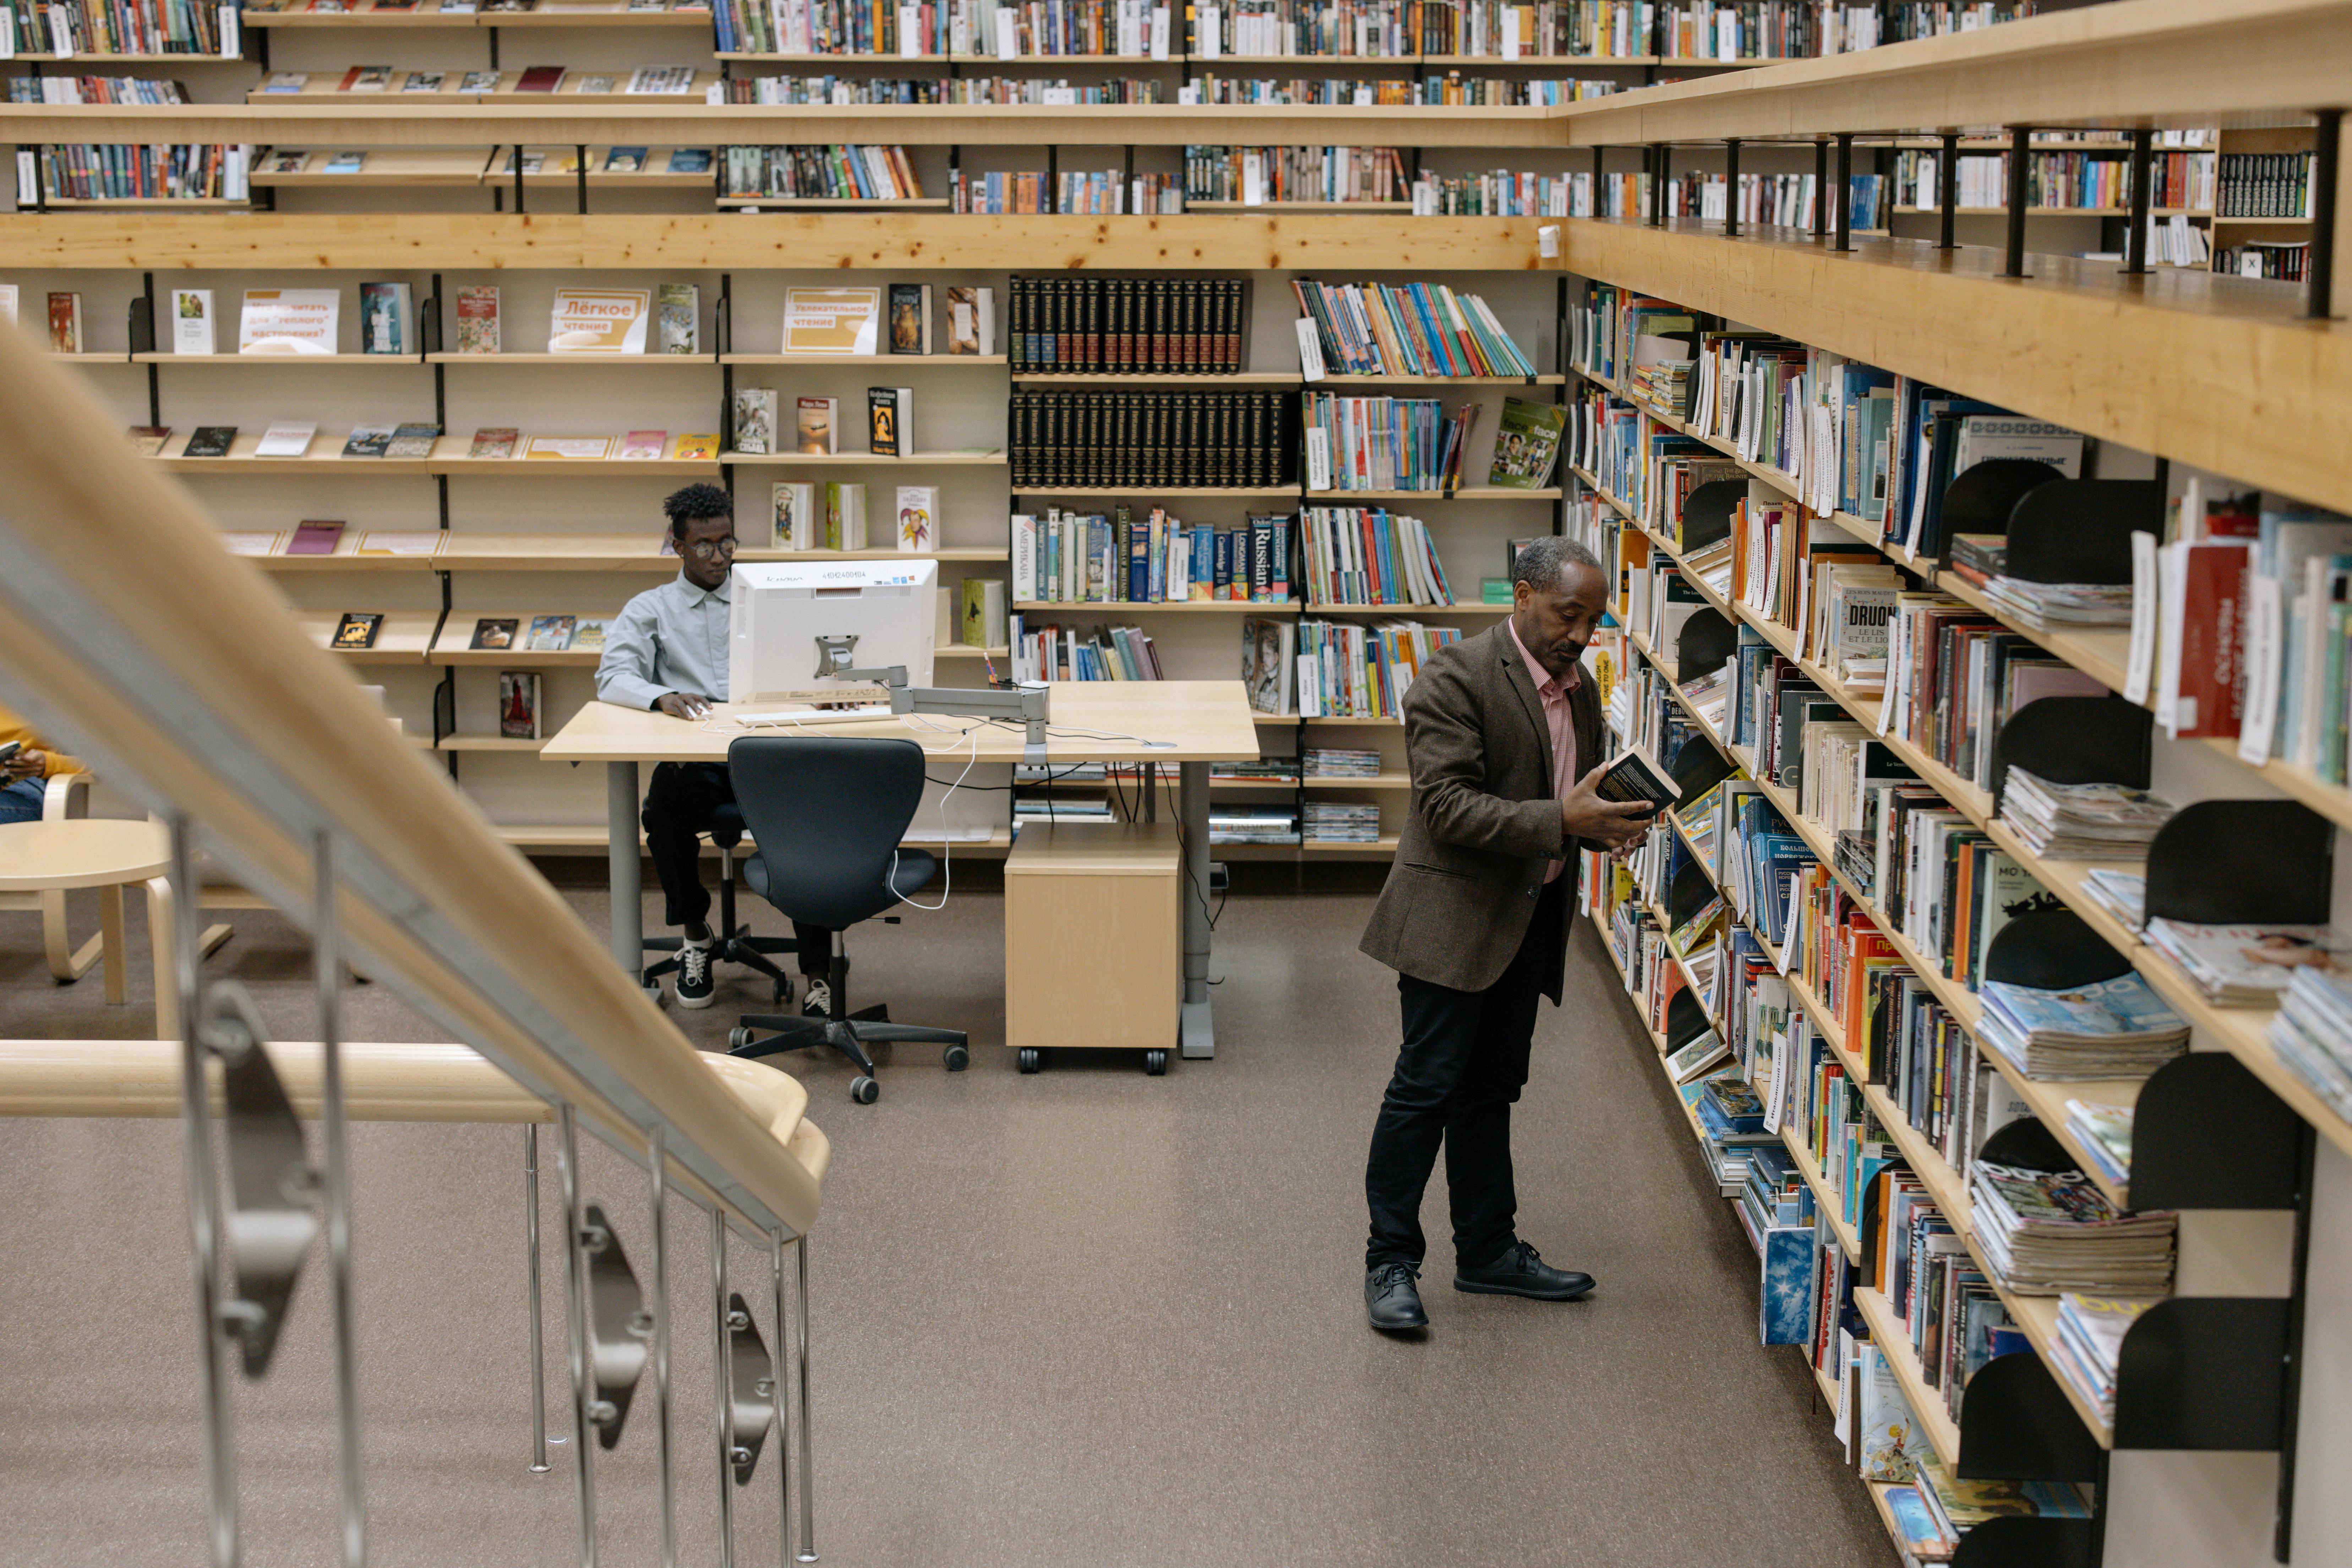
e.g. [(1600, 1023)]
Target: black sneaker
[(818, 1001), (1391, 1298), (1520, 1272), (695, 988)]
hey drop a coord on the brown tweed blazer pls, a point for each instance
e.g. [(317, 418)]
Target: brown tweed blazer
[(1485, 821)]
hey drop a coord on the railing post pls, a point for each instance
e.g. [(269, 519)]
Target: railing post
[(780, 1403), (2143, 144), (538, 1343), (808, 1470), (575, 1290), (2020, 144), (327, 960), (656, 1162), (722, 1365)]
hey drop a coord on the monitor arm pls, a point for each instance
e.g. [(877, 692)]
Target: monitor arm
[(1025, 703)]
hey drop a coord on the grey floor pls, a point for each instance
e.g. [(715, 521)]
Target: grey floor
[(1083, 1318)]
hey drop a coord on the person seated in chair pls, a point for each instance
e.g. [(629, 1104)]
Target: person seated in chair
[(23, 777), (667, 650)]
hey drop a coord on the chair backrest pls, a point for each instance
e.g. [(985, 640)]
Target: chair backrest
[(826, 813)]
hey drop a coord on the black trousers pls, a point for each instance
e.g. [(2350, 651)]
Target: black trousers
[(1464, 1061), (680, 805)]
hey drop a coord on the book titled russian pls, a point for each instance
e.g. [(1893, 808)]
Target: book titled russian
[(356, 630), (919, 518), (519, 705), (796, 517), (386, 325), (831, 320), (192, 321), (816, 422), (911, 317), (681, 319), (889, 421), (755, 420), (599, 322)]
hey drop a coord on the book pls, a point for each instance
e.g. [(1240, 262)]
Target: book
[(595, 84), (971, 319), (419, 541), (1526, 445), (567, 448), (315, 539), (983, 622), (347, 162), (209, 441), (911, 317), (680, 306), (1918, 1534), (1637, 776), (490, 442), (2248, 965), (796, 517), (540, 78), (755, 420), (365, 78), (478, 81), (700, 448), (65, 322), (1268, 677), (549, 634), (690, 161), (519, 705), (368, 440), (831, 320), (889, 421), (413, 441), (286, 439), (288, 321), (599, 322), (588, 634), (642, 444), (1697, 1055), (627, 160), (816, 425), (192, 321), (239, 542), (919, 518), (494, 632), (845, 515), (285, 160), (148, 440), (384, 321), (287, 81), (356, 630), (422, 81)]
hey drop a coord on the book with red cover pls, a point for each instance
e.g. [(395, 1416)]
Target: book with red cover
[(540, 78), (2212, 624), (315, 539)]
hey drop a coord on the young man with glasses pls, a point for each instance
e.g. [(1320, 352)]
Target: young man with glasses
[(667, 650)]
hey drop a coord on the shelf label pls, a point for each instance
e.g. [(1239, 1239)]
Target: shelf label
[(1310, 351)]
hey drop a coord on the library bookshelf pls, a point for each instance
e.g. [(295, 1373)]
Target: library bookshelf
[(2187, 368)]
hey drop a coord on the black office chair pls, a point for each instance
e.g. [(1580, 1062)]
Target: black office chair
[(826, 813), (736, 945)]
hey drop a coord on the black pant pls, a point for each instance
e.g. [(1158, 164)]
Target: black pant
[(680, 805), (1464, 1061)]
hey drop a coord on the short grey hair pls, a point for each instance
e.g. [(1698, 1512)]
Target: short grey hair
[(1543, 561)]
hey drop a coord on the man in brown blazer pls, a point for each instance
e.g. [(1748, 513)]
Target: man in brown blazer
[(1503, 737)]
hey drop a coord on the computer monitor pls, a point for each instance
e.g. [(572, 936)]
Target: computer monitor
[(785, 615)]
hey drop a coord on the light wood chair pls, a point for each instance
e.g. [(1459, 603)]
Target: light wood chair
[(40, 862)]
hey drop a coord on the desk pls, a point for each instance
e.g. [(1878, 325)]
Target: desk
[(1207, 721)]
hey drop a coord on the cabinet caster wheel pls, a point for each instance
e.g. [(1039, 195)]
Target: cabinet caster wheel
[(956, 1057), (1155, 1064), (1031, 1059), (865, 1090), (738, 1038)]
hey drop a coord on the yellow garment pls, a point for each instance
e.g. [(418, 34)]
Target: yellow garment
[(14, 728)]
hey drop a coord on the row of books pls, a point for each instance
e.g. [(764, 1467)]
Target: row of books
[(1452, 89), (662, 81), (1415, 329), (1161, 439), (2265, 185), (69, 27), (1121, 557), (855, 90), (1051, 652), (2053, 179), (1066, 322), (368, 439), (1357, 556), (839, 515), (86, 172), (1334, 669), (1385, 443), (1372, 28), (1257, 175), (836, 172), (94, 90)]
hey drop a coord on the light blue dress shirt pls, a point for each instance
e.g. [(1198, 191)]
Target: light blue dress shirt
[(670, 638)]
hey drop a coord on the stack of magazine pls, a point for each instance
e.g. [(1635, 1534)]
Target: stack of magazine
[(1955, 1506), (2312, 1034), (2248, 965), (2080, 822), (2110, 1028), (2123, 894), (1982, 559), (2090, 1332), (2044, 1231), (2105, 1131)]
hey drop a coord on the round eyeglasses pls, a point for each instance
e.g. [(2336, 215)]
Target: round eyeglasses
[(704, 549)]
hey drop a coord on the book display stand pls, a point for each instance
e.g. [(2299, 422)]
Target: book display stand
[(2076, 741)]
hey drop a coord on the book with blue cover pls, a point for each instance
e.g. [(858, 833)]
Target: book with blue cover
[(1785, 1305)]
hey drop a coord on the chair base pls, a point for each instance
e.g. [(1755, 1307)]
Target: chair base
[(849, 1034), (736, 945)]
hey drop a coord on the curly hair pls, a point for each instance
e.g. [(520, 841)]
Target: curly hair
[(694, 503)]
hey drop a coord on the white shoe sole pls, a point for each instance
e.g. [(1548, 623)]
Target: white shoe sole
[(694, 1004)]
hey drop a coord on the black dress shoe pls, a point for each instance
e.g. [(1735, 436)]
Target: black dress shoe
[(1519, 1272), (1391, 1300)]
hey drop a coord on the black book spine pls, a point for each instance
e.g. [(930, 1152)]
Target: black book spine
[(1091, 288)]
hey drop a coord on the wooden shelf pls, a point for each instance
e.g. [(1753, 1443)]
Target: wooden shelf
[(487, 743), (402, 639), (873, 204), (346, 558), (457, 630), (1175, 492), (586, 836), (864, 459), (1407, 611), (274, 361), (910, 362), (1825, 1197), (1894, 1342), (1378, 781), (1152, 378), (633, 553), (1504, 381), (1191, 205), (672, 361), (1097, 608), (1467, 492), (552, 17)]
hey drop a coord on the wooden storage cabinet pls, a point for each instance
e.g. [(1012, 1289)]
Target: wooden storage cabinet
[(1093, 939)]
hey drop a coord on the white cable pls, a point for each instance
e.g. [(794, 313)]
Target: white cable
[(947, 847)]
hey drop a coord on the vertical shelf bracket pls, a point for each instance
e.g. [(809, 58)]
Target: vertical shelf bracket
[(2143, 160), (2326, 165), (2021, 143)]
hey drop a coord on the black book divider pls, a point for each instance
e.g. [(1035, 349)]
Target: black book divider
[(2050, 950), (1704, 645), (1690, 891), (2256, 862), (2078, 530), (1707, 512), (2014, 1543), (1697, 768), (2075, 740), (1686, 1020)]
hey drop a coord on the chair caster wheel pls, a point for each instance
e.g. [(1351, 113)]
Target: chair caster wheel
[(783, 993), (956, 1057), (738, 1038), (1155, 1064), (865, 1090), (1031, 1059)]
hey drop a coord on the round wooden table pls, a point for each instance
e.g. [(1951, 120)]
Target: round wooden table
[(110, 855)]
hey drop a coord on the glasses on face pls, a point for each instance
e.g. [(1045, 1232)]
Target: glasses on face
[(705, 549)]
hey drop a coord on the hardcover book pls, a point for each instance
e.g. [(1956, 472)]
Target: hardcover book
[(494, 443), (192, 321), (919, 518), (519, 705), (971, 319), (696, 448), (889, 421), (494, 632), (755, 420), (478, 320), (911, 317), (831, 320), (209, 441), (1635, 776), (845, 515), (315, 539), (288, 321), (539, 78), (588, 634), (286, 439), (413, 441), (599, 322), (369, 440), (549, 634), (65, 323), (815, 425), (357, 630), (795, 505), (384, 319), (681, 317)]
